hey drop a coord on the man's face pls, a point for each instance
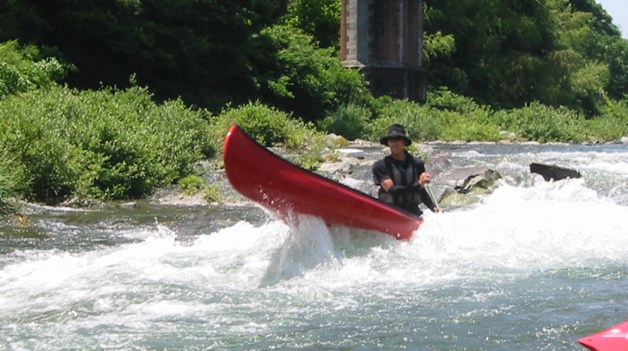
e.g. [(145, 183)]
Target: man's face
[(396, 145)]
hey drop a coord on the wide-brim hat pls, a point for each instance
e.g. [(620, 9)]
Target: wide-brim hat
[(395, 131)]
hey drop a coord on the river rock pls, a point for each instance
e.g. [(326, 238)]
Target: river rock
[(483, 182), (553, 172), (334, 140), (357, 153), (340, 165), (464, 178), (467, 184), (182, 200)]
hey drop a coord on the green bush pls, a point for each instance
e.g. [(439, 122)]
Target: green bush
[(195, 184), (538, 122), (606, 128), (271, 127), (22, 69), (418, 120), (9, 184), (612, 125), (475, 126), (100, 144), (461, 118), (442, 98), (350, 121), (192, 184), (265, 124)]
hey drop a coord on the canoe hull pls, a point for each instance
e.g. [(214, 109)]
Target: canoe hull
[(613, 339), (286, 189)]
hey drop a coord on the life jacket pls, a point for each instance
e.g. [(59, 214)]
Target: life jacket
[(410, 199)]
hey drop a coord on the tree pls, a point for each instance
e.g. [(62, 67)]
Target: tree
[(318, 18), (509, 53), (296, 75), (489, 36), (199, 50)]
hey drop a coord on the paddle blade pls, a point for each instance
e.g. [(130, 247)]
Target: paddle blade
[(613, 339)]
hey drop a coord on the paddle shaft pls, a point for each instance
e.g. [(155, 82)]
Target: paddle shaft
[(429, 193)]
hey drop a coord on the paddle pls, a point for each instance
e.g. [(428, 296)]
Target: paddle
[(429, 193)]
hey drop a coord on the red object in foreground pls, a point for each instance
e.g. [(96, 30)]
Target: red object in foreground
[(286, 188), (613, 339)]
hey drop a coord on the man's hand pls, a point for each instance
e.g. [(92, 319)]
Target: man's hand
[(425, 178)]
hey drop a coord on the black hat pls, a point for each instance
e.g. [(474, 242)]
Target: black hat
[(395, 131)]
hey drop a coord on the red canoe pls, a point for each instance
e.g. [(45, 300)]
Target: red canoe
[(613, 339), (286, 188)]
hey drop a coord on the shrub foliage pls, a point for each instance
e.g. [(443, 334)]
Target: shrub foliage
[(271, 127), (99, 144)]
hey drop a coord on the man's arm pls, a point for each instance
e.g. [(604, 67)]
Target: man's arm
[(424, 179), (382, 178)]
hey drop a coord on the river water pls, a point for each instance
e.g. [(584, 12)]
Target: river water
[(534, 265)]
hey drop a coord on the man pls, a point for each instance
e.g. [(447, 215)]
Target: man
[(402, 177)]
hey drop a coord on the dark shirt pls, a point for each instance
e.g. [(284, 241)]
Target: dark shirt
[(381, 172)]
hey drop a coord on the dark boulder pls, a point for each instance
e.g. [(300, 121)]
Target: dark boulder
[(553, 172)]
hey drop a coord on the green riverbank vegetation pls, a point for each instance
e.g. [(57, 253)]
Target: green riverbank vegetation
[(121, 111)]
